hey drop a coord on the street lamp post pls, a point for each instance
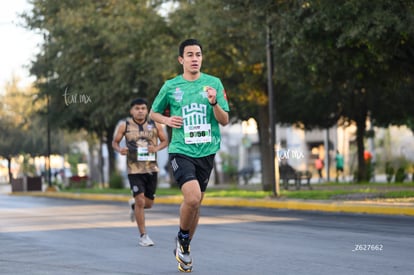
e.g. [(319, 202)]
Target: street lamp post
[(49, 172)]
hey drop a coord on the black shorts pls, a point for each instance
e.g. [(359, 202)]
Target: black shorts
[(143, 183), (186, 168)]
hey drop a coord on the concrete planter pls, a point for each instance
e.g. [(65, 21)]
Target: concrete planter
[(26, 184), (17, 185)]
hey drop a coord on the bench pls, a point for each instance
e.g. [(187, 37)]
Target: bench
[(288, 173), (246, 174)]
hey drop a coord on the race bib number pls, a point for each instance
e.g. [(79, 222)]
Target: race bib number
[(197, 133), (144, 155)]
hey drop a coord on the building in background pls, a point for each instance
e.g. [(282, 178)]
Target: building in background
[(299, 148)]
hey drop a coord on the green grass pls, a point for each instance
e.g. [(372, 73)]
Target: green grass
[(326, 191), (125, 191), (399, 194), (238, 194), (313, 194)]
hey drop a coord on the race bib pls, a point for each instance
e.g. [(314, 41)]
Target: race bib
[(144, 155), (197, 133)]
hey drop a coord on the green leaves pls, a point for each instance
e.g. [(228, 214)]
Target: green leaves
[(332, 59), (102, 51)]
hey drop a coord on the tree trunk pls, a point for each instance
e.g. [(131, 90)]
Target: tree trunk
[(360, 144), (101, 161), (360, 104), (111, 154), (266, 161), (9, 169)]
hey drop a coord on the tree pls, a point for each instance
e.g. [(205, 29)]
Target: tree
[(236, 50), (347, 59), (22, 128), (97, 56), (334, 59)]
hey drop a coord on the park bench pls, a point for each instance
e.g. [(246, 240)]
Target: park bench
[(288, 173), (246, 174)]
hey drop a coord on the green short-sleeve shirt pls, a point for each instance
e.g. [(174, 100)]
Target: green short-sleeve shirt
[(200, 134)]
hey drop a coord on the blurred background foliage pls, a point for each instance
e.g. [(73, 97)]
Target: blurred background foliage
[(334, 62)]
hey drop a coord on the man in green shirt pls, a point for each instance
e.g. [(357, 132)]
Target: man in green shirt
[(197, 104), (339, 164)]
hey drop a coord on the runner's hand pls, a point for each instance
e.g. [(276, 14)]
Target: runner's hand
[(175, 121), (211, 95)]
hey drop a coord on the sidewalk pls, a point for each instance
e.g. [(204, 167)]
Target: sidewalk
[(380, 207)]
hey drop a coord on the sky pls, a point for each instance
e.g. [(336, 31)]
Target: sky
[(19, 45)]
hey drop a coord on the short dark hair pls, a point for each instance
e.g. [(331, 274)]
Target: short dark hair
[(138, 101), (188, 42)]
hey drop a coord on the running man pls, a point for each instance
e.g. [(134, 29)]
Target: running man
[(141, 135), (198, 105)]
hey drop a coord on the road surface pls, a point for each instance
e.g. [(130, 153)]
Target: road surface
[(60, 236)]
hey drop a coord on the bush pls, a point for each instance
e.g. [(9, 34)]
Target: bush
[(78, 182), (389, 171), (116, 181), (400, 175), (228, 167)]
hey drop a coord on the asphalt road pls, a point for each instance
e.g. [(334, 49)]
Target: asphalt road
[(60, 236)]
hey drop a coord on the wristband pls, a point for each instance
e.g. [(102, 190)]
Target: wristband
[(213, 104)]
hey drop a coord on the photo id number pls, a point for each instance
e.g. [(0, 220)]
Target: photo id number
[(368, 247)]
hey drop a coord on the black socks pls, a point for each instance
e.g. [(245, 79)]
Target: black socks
[(183, 234)]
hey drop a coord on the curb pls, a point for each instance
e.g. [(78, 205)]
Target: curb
[(361, 207), (347, 207)]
